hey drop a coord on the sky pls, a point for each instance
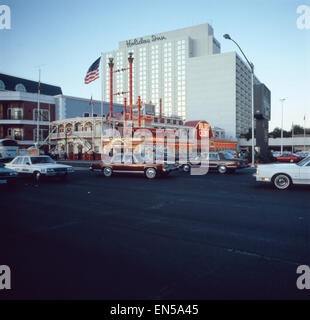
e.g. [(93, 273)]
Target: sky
[(64, 37)]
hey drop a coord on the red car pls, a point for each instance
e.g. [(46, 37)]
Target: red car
[(132, 164), (287, 157)]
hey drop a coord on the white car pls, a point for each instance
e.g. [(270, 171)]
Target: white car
[(38, 166), (283, 175)]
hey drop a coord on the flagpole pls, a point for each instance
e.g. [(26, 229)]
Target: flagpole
[(93, 125), (292, 137), (38, 110), (305, 133), (102, 83), (102, 87)]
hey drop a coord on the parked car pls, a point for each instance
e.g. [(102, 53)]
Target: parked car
[(283, 175), (8, 149), (39, 166), (287, 157), (222, 162), (132, 164), (7, 175), (302, 154)]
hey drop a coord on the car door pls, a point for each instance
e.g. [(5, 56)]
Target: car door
[(304, 173), (17, 164), (138, 163), (117, 162), (213, 159), (127, 163), (26, 166)]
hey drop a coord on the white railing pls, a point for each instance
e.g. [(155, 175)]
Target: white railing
[(80, 134)]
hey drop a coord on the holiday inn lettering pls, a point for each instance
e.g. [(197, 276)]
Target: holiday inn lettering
[(136, 42)]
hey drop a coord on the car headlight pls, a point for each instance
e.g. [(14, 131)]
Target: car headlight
[(70, 169), (50, 170), (13, 173)]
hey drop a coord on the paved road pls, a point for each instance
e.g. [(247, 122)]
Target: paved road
[(181, 237)]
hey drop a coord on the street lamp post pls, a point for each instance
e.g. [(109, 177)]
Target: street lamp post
[(227, 36), (38, 112), (282, 103)]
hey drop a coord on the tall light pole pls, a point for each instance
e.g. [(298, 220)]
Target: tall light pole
[(282, 103), (305, 133), (38, 111), (227, 37)]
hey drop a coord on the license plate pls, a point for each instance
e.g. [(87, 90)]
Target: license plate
[(3, 181)]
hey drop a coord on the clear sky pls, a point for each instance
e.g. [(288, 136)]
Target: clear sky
[(66, 36)]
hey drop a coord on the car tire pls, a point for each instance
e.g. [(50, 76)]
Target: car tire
[(222, 169), (186, 168), (150, 173), (36, 176), (282, 181), (107, 171)]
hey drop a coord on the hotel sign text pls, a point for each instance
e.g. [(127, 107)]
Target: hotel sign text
[(135, 42)]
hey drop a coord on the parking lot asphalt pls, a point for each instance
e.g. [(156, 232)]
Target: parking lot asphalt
[(179, 237)]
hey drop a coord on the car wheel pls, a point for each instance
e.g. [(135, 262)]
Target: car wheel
[(107, 171), (282, 181), (186, 168), (37, 176), (150, 173), (222, 169)]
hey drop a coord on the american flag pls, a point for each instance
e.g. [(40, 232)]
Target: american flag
[(93, 72)]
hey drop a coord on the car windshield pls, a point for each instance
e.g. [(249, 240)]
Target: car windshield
[(303, 162), (9, 143), (36, 160), (227, 155)]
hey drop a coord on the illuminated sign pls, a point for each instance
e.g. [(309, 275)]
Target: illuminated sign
[(136, 42)]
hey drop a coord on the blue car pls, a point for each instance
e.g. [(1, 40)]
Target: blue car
[(7, 175)]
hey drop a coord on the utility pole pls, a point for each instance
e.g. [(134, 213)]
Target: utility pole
[(282, 103), (38, 111)]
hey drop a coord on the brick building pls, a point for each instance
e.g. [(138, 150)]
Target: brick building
[(18, 109)]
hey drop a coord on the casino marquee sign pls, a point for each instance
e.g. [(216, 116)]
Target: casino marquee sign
[(136, 42)]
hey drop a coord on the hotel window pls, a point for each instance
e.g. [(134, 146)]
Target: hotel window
[(142, 74), (2, 85), (16, 133), (44, 115), (155, 76), (181, 78), (20, 87), (167, 83), (15, 113), (118, 64), (43, 134)]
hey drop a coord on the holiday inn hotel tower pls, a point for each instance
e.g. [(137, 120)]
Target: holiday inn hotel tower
[(186, 69)]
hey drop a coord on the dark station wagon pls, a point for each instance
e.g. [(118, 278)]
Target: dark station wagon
[(132, 164), (222, 162)]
